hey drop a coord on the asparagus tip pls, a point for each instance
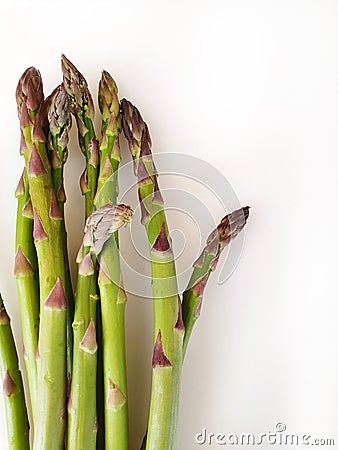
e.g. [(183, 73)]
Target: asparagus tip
[(232, 224), (29, 91), (57, 110), (108, 100)]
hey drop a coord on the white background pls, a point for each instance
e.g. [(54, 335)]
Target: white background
[(251, 87)]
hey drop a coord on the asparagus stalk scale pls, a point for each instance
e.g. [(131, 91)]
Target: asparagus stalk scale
[(82, 429), (26, 274), (112, 295), (168, 326), (15, 407), (47, 230), (58, 123), (229, 227)]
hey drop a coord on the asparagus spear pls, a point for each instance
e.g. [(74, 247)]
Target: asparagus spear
[(100, 226), (58, 123), (47, 231), (83, 395), (112, 294), (16, 413), (26, 274), (82, 107), (229, 227), (168, 328), (82, 419)]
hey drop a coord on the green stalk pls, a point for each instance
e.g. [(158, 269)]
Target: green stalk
[(26, 274), (82, 429), (112, 294), (229, 227), (47, 230), (58, 125), (14, 398), (82, 420), (168, 326)]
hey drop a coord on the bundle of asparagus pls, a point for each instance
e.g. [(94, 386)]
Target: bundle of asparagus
[(74, 346)]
